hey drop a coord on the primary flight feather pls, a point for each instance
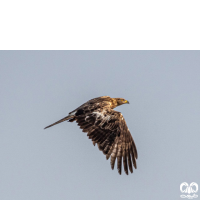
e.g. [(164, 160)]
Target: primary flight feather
[(106, 128)]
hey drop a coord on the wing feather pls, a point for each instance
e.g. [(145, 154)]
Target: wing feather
[(114, 155), (125, 160), (108, 129), (129, 162), (119, 159)]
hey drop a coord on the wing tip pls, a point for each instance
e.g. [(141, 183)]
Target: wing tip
[(135, 165)]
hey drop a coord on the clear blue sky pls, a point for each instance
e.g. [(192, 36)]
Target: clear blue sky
[(41, 87)]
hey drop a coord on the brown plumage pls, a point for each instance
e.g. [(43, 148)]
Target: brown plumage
[(106, 128)]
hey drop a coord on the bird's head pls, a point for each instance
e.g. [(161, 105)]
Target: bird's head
[(121, 101)]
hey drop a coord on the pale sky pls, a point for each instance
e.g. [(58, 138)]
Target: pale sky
[(61, 163)]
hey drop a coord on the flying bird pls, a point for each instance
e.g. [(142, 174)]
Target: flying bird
[(106, 128)]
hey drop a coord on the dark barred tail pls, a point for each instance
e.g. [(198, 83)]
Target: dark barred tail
[(69, 117)]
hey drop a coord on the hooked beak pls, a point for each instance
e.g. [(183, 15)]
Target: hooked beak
[(126, 101)]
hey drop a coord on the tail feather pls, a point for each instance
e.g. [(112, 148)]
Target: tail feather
[(61, 120)]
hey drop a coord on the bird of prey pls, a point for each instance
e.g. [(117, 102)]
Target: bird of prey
[(106, 128)]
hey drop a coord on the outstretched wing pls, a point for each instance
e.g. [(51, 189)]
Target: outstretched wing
[(108, 129)]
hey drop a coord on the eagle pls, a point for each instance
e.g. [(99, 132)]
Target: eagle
[(107, 128)]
